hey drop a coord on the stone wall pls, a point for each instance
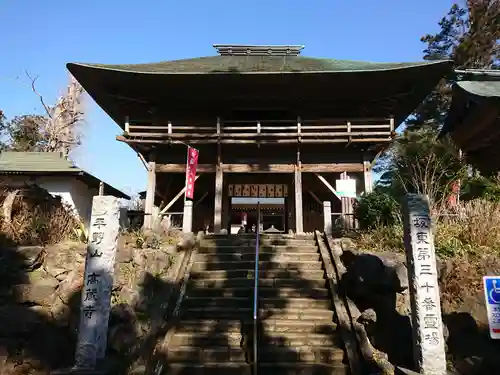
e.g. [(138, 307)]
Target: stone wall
[(378, 285), (40, 299)]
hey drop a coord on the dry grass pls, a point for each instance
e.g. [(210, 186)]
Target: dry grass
[(480, 224), (141, 239), (475, 230), (37, 218), (468, 246)]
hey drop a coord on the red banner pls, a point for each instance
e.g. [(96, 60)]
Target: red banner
[(192, 163)]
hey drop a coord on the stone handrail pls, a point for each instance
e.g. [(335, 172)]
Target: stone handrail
[(368, 352), (178, 278), (344, 320)]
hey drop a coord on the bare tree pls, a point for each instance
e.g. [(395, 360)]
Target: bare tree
[(60, 127), (419, 163)]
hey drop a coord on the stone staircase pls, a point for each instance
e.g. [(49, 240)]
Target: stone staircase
[(297, 333)]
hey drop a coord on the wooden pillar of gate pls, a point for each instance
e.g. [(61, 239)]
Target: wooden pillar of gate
[(150, 193), (347, 207), (299, 216), (219, 183)]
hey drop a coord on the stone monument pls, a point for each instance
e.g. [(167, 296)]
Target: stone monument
[(97, 286), (427, 324)]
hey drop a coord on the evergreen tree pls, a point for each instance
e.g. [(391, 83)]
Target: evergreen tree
[(469, 35), (417, 161)]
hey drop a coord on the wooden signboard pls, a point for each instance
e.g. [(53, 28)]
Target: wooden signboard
[(246, 190), (258, 190), (255, 190), (262, 191), (270, 191), (278, 191), (237, 191)]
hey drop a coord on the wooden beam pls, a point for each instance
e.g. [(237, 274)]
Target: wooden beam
[(263, 168), (332, 167), (181, 168), (299, 217), (218, 194), (258, 168), (175, 199), (327, 184), (150, 194), (201, 199), (258, 135), (315, 197), (251, 141)]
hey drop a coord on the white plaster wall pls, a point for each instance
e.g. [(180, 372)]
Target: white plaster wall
[(72, 191)]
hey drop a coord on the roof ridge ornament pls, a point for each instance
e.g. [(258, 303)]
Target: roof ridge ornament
[(257, 50)]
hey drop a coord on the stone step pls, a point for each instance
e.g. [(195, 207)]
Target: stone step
[(318, 325), (194, 313), (263, 257), (248, 283), (234, 339), (291, 313), (266, 354), (275, 249), (298, 339), (246, 313), (291, 368), (239, 368), (206, 339), (219, 326), (270, 273), (297, 303), (268, 325), (264, 292), (251, 241), (215, 265), (315, 354), (218, 368), (201, 355)]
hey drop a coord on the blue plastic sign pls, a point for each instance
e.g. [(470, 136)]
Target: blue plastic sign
[(492, 297)]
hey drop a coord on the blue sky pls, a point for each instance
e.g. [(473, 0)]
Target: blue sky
[(42, 36)]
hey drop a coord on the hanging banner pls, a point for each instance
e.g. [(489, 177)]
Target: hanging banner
[(192, 163)]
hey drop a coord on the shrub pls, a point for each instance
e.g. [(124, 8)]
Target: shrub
[(473, 232), (377, 209), (34, 217), (386, 238)]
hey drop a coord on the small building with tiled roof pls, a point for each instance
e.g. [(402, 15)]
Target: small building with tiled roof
[(473, 121), (58, 175)]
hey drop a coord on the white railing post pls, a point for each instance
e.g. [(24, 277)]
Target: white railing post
[(187, 218), (327, 217)]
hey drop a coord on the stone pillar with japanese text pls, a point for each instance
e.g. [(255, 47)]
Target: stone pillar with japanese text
[(98, 281), (427, 324)]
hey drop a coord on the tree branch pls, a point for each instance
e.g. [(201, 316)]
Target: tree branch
[(33, 88)]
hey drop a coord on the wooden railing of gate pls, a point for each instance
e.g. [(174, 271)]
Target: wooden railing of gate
[(266, 131)]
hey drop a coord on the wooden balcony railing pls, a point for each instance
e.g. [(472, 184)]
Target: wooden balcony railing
[(265, 131)]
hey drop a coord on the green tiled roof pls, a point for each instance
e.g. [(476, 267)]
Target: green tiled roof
[(255, 64), (12, 162), (25, 162), (486, 89)]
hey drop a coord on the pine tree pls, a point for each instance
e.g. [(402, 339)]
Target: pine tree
[(470, 37)]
